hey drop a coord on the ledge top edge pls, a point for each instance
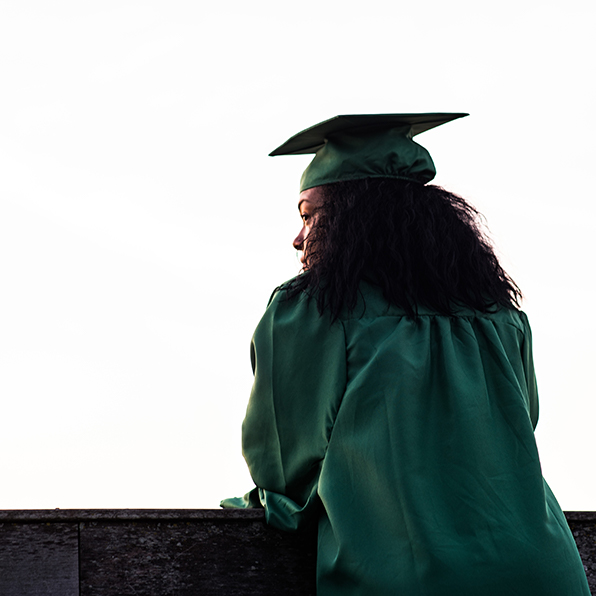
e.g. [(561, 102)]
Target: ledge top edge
[(170, 515)]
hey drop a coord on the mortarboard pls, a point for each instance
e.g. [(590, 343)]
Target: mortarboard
[(366, 146)]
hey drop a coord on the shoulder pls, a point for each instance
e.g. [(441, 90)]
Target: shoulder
[(292, 320), (293, 312), (507, 317), (290, 305), (285, 290)]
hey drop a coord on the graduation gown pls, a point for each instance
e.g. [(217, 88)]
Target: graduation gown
[(411, 443)]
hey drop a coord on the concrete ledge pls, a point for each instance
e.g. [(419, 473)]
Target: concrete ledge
[(161, 552), (81, 515), (151, 552), (583, 527)]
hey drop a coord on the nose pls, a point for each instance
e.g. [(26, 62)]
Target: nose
[(299, 240)]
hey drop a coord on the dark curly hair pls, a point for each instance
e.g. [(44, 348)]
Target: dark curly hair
[(421, 244)]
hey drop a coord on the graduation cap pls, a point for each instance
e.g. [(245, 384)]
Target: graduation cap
[(366, 146)]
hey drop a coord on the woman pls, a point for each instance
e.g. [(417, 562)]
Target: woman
[(394, 398)]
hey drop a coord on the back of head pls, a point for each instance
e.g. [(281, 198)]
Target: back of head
[(422, 245)]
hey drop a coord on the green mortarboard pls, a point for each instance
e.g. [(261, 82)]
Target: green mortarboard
[(366, 146)]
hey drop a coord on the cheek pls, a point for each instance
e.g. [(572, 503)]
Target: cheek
[(305, 232)]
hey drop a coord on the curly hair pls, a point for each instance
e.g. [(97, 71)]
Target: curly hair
[(422, 245)]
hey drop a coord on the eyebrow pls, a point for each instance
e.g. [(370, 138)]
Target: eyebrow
[(303, 201)]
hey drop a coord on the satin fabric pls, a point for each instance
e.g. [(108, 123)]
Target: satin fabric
[(357, 146), (410, 442), (354, 155)]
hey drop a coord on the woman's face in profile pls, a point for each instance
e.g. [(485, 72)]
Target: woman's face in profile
[(310, 199)]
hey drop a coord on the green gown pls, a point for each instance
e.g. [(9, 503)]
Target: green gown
[(411, 441)]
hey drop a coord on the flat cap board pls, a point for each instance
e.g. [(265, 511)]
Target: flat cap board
[(313, 138)]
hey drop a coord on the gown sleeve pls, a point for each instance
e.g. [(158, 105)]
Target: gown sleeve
[(299, 363), (528, 363)]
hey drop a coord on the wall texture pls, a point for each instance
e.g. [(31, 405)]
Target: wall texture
[(127, 552)]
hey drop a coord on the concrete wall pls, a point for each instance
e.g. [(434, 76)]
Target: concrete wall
[(171, 552)]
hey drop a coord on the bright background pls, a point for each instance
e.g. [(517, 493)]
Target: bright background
[(143, 227)]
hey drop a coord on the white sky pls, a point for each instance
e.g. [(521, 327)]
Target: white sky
[(143, 227)]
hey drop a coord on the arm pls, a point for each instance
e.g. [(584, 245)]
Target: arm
[(528, 362), (299, 363)]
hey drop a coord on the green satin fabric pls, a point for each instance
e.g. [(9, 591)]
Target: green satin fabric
[(411, 443), (376, 153)]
